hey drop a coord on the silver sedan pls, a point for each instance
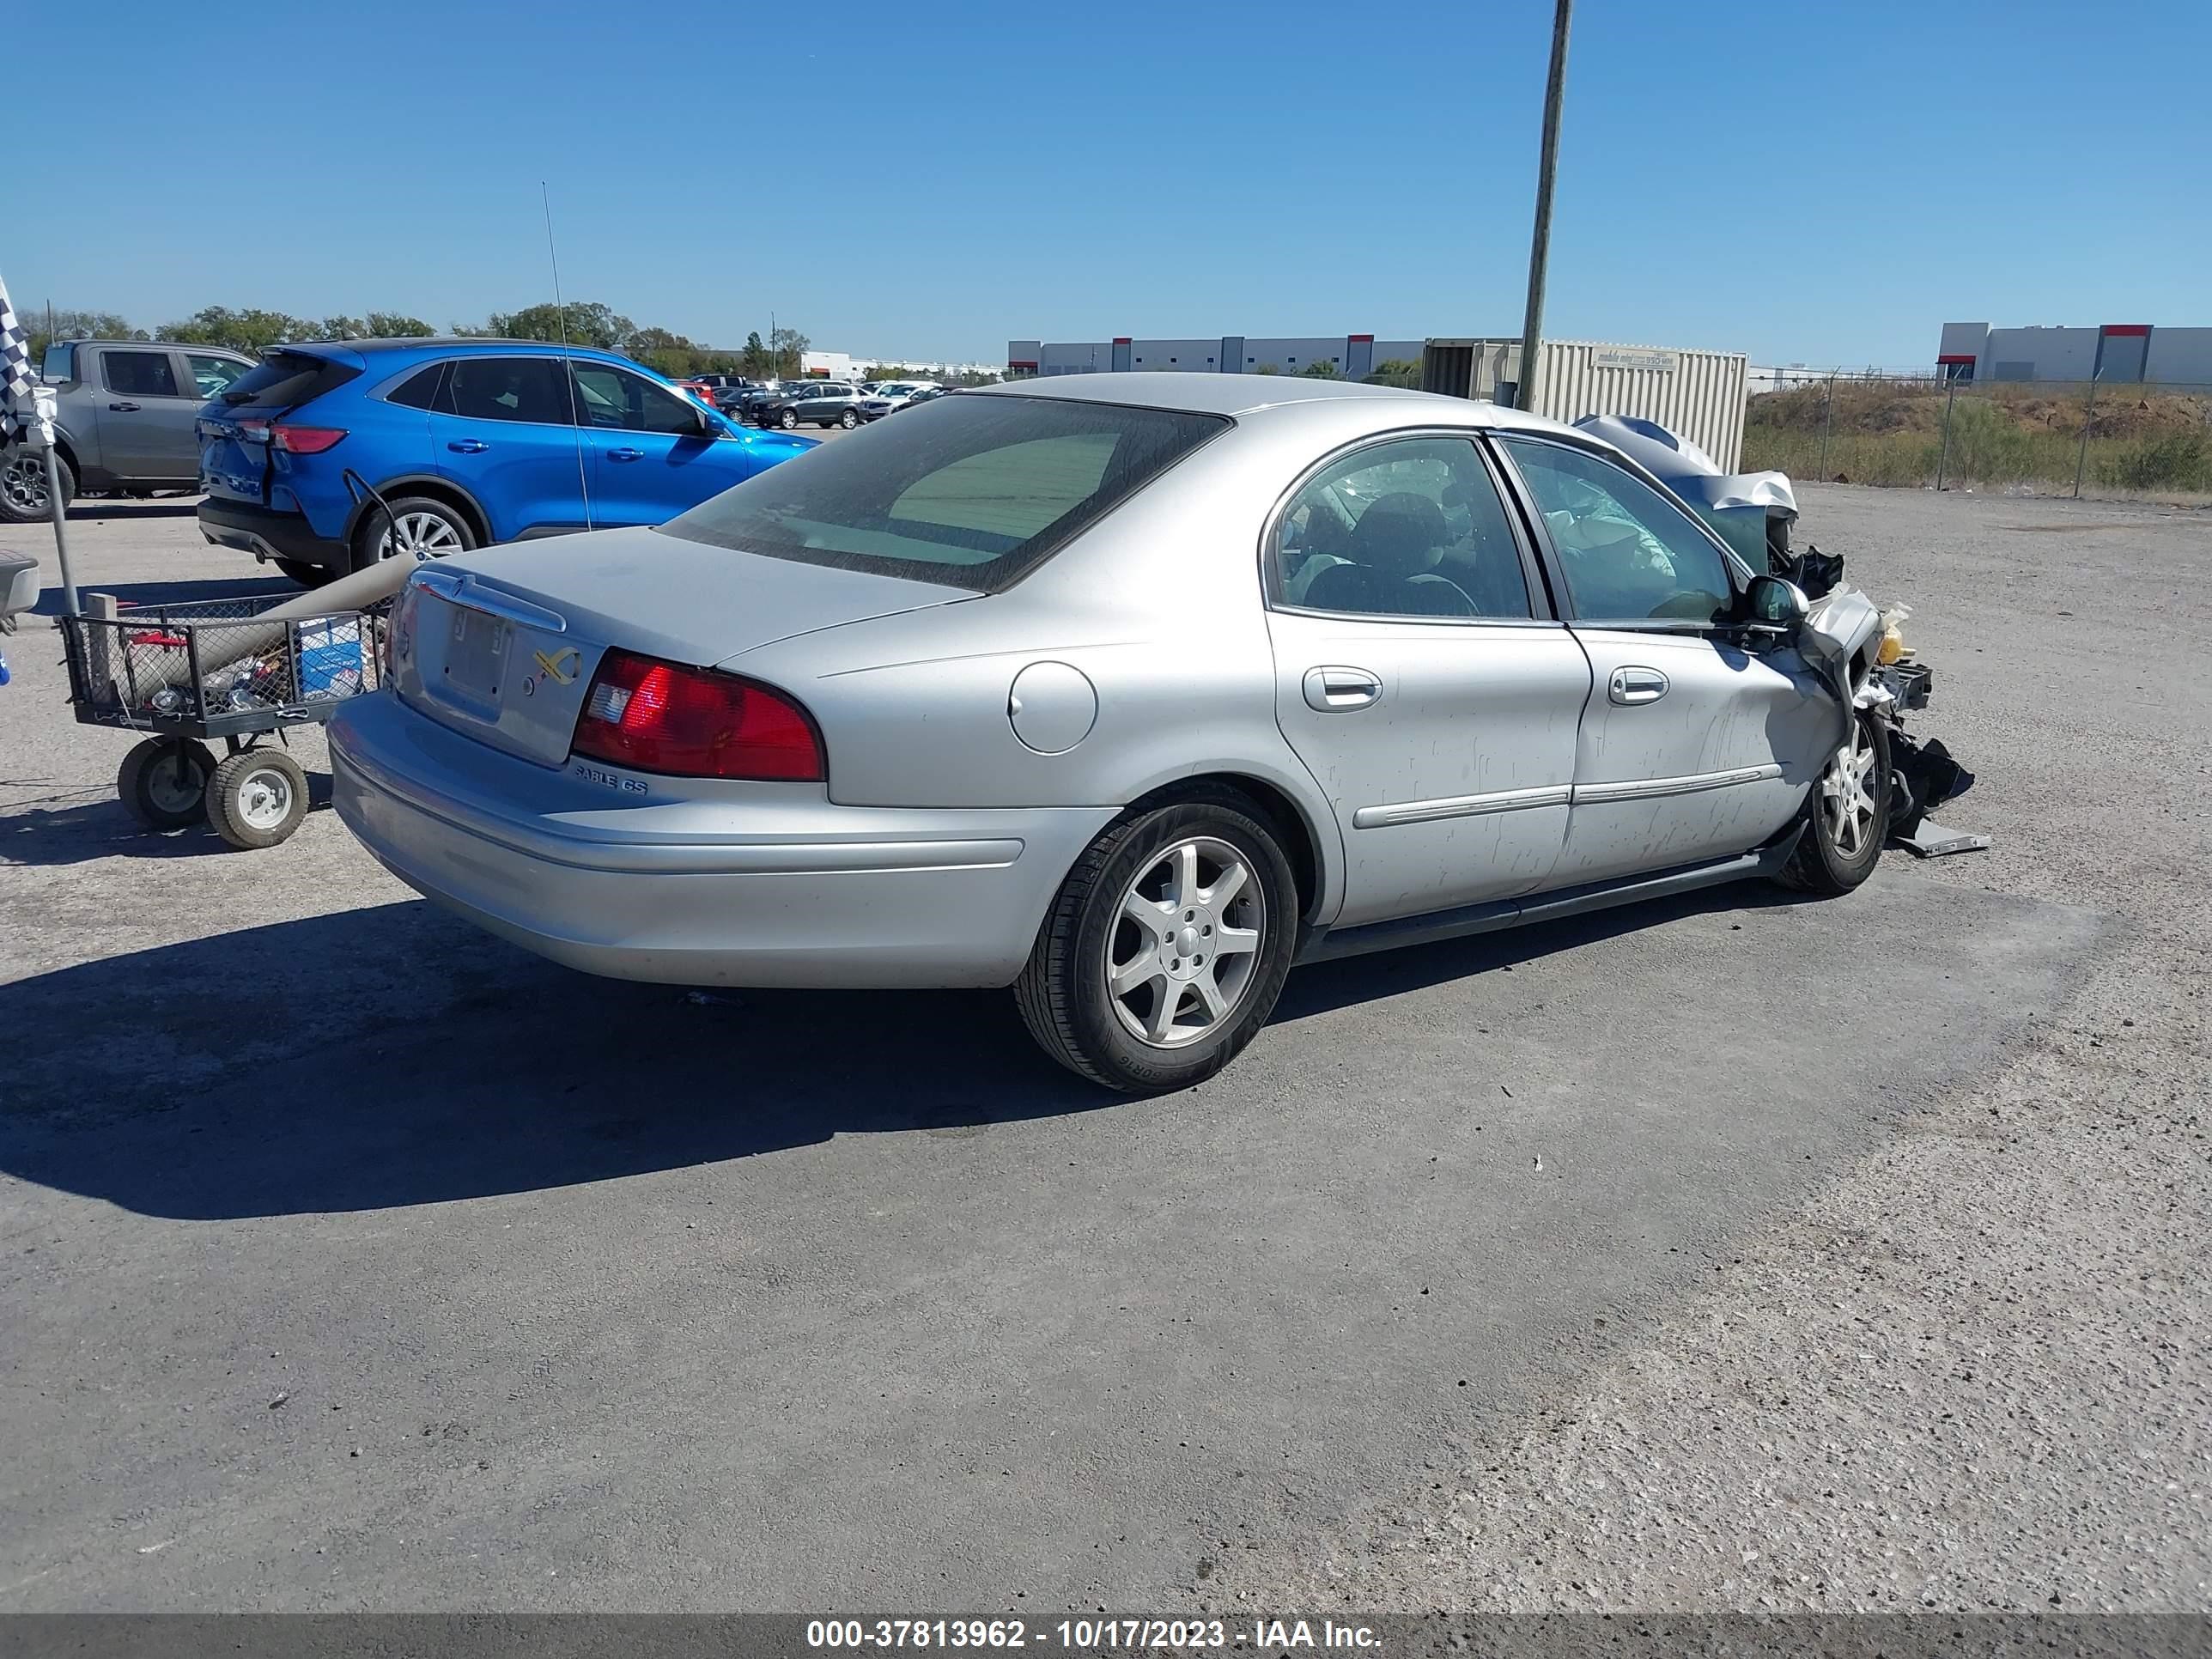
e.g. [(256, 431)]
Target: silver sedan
[(1130, 691)]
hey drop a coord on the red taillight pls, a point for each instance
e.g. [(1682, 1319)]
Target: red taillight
[(693, 722), (306, 439)]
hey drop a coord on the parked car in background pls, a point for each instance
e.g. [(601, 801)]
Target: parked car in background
[(927, 394), (468, 442), (920, 711), (890, 398), (698, 391), (127, 408), (812, 403), (817, 403), (749, 400)]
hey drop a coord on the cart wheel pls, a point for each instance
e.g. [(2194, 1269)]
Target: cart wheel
[(257, 798), (164, 781)]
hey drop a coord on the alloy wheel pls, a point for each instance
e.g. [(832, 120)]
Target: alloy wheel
[(24, 482), (1185, 944), (1847, 798), (421, 535)]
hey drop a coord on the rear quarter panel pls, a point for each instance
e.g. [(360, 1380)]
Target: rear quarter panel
[(384, 442)]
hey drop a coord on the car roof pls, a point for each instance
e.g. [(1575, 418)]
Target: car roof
[(144, 345), (1201, 393)]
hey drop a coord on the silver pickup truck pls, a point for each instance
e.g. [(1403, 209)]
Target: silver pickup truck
[(127, 409)]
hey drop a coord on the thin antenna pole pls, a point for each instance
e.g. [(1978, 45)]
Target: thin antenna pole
[(567, 366)]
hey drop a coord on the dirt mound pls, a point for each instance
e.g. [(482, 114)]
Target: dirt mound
[(1876, 407)]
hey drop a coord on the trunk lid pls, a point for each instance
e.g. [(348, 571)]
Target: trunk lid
[(502, 643)]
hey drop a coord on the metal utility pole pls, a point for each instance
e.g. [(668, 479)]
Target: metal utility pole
[(1539, 243), (1827, 424), (1943, 460), (2081, 455)]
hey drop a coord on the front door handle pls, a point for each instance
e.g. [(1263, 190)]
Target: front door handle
[(1631, 686), (468, 446), (124, 409), (625, 454), (1335, 689)]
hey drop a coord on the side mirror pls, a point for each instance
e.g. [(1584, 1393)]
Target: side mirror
[(1775, 606)]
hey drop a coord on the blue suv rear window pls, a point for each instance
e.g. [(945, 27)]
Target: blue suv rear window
[(288, 379)]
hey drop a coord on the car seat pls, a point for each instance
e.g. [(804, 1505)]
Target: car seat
[(1394, 550)]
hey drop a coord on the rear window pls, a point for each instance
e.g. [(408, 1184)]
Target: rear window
[(288, 379), (970, 492)]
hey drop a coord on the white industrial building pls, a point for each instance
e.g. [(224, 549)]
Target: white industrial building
[(848, 366), (1354, 356), (2124, 354)]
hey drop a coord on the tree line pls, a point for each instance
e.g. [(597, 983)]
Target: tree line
[(583, 323)]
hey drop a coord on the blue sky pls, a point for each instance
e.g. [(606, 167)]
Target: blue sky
[(1824, 183)]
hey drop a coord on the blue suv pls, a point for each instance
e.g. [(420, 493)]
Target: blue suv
[(468, 442)]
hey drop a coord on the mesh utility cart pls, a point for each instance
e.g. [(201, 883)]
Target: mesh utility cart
[(189, 675)]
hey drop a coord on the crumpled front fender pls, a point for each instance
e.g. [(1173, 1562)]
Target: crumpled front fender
[(1834, 636)]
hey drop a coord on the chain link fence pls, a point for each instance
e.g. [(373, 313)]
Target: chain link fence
[(1917, 429)]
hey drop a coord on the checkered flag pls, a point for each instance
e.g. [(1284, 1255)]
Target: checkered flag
[(15, 377)]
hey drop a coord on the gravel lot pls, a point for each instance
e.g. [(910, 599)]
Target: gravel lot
[(1729, 1253)]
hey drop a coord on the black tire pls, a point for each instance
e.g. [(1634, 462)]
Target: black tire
[(372, 531), (164, 781), (1063, 992), (1819, 866), (307, 575), (788, 420), (257, 798), (849, 419), (23, 486)]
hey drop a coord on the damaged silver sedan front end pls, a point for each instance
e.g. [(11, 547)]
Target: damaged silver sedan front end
[(1854, 644)]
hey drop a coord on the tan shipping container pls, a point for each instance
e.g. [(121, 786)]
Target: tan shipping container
[(1698, 394)]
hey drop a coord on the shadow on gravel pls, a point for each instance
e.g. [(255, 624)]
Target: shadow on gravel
[(98, 829), (394, 1056), (1331, 985), (101, 512)]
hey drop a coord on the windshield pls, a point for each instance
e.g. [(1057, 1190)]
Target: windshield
[(971, 492)]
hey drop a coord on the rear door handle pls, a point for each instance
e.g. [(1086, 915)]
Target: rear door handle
[(1630, 687), (1335, 689), (625, 454), (468, 446), (124, 409)]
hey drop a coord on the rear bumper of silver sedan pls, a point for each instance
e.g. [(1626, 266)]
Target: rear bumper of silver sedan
[(790, 890)]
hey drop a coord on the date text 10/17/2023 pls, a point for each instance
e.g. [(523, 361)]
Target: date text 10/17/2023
[(1090, 1635)]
